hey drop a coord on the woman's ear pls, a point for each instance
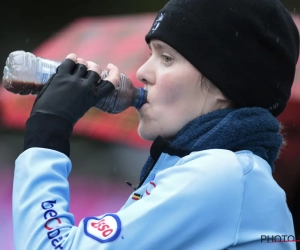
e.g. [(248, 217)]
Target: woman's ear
[(214, 92)]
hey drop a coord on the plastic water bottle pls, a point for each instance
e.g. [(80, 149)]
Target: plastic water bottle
[(26, 74)]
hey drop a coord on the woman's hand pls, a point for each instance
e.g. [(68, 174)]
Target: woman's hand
[(72, 91)]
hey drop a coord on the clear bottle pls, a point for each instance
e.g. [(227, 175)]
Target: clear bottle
[(26, 74)]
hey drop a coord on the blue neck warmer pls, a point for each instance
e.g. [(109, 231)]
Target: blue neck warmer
[(253, 129)]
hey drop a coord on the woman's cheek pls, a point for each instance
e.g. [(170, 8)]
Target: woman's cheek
[(169, 94), (172, 88)]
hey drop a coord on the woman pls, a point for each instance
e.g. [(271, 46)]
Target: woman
[(218, 74)]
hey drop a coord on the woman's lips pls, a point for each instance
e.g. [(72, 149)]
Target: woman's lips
[(144, 105)]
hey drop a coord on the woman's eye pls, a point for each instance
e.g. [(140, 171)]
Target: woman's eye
[(167, 58)]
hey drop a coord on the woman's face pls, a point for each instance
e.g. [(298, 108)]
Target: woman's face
[(175, 96)]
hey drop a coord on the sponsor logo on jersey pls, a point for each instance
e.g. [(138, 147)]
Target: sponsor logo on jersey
[(104, 229), (150, 187), (52, 224)]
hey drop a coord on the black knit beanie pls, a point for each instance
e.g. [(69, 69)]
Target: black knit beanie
[(247, 48)]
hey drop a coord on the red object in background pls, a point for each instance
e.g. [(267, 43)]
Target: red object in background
[(289, 117), (287, 171), (118, 40)]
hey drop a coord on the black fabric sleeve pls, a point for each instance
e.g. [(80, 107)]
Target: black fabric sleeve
[(48, 131)]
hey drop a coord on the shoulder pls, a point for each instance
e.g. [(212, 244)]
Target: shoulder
[(214, 172), (208, 182), (220, 161), (220, 169)]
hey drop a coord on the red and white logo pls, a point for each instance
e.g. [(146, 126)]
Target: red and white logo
[(105, 229), (52, 223), (150, 187)]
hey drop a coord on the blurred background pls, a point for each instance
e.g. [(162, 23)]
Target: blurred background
[(106, 150)]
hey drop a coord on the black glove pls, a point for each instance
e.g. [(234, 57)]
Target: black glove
[(65, 98), (71, 92)]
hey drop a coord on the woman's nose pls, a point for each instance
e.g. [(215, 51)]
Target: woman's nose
[(144, 73)]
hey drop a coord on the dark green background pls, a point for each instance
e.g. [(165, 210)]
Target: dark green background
[(26, 24)]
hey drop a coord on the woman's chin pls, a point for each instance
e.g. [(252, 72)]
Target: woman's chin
[(146, 133)]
